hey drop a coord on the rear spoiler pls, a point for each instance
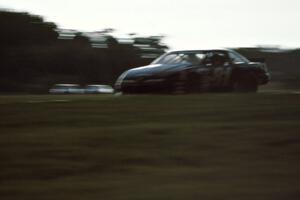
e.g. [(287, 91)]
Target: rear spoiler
[(260, 60)]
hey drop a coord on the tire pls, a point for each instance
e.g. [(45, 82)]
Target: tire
[(175, 85), (178, 87), (245, 84)]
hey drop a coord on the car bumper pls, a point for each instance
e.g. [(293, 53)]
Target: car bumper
[(145, 86)]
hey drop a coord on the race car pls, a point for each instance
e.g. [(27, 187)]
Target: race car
[(195, 71)]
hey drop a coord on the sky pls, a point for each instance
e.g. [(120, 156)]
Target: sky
[(187, 24)]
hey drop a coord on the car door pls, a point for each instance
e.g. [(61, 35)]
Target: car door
[(205, 73), (236, 61), (221, 70), (215, 69)]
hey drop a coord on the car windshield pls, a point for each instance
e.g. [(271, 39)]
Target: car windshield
[(194, 58)]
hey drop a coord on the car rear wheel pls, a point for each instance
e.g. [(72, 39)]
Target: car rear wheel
[(245, 84)]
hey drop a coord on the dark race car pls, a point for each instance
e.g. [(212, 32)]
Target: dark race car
[(195, 71)]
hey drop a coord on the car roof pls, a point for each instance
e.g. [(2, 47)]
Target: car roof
[(201, 50), (98, 85)]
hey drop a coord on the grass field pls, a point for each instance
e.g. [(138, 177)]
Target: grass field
[(210, 147)]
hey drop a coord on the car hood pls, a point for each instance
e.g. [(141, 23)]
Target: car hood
[(156, 69)]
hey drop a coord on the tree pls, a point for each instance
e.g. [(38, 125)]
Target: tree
[(35, 54), (25, 29)]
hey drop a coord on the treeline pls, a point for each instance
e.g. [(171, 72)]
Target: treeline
[(35, 54)]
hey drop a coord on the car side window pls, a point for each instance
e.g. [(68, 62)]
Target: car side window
[(216, 59), (207, 60)]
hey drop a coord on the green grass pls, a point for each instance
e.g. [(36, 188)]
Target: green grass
[(217, 146)]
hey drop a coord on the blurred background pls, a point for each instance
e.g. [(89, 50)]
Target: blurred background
[(91, 42)]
